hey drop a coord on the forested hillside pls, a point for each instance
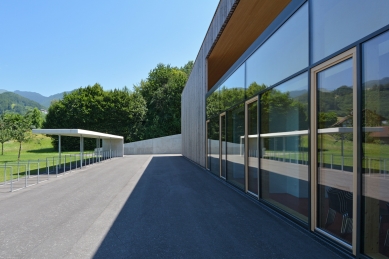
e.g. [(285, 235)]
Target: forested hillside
[(152, 110), (11, 102), (42, 100)]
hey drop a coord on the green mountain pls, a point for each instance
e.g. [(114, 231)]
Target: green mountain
[(43, 100), (11, 102)]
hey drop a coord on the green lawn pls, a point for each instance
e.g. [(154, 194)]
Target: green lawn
[(38, 149)]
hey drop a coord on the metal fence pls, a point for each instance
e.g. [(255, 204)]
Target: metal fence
[(370, 165), (22, 174)]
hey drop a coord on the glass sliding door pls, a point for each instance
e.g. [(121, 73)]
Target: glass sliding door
[(251, 138), (283, 145), (334, 147), (223, 146), (213, 145), (208, 146), (236, 146)]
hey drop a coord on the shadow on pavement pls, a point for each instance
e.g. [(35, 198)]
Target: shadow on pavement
[(177, 210)]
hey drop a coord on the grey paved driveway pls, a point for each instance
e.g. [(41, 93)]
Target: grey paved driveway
[(144, 207)]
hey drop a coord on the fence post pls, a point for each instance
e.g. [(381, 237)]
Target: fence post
[(38, 172), (369, 165), (332, 160), (64, 165), (18, 169), (5, 170), (48, 168), (11, 171), (28, 165)]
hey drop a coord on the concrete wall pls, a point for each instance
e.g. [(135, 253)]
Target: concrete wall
[(193, 95), (115, 145), (165, 145)]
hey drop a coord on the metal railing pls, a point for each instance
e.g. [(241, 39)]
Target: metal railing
[(287, 156), (22, 174), (370, 165)]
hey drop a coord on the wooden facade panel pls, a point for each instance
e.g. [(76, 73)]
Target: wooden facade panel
[(248, 21), (193, 95)]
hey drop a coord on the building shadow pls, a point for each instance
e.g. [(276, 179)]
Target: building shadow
[(178, 210)]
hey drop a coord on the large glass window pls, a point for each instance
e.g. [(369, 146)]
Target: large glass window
[(338, 23), (235, 146), (213, 104), (335, 150), (375, 117), (282, 55), (252, 147), (284, 144), (232, 91), (214, 147)]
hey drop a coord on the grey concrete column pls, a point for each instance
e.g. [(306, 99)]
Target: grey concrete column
[(59, 150), (99, 149), (81, 149)]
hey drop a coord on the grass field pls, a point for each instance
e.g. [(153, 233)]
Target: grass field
[(38, 149)]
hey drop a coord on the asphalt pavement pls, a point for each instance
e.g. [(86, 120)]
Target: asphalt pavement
[(145, 206)]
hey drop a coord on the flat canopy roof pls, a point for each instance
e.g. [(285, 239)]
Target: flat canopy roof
[(76, 133)]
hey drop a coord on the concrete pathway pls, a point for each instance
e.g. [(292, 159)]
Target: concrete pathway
[(145, 207)]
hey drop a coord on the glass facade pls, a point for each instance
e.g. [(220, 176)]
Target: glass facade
[(232, 91), (284, 135), (304, 137), (213, 104), (213, 156), (275, 60), (338, 23), (235, 146), (375, 128), (335, 150), (252, 147)]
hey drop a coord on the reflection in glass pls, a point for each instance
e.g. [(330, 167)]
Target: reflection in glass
[(338, 23), (209, 148), (224, 144), (275, 60), (232, 91), (213, 104), (214, 145), (235, 146), (335, 150), (252, 156), (284, 142), (375, 116)]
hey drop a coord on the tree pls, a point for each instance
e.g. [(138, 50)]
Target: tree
[(35, 117), (5, 132), (20, 129), (162, 92), (118, 112)]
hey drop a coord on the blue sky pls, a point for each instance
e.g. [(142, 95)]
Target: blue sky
[(54, 46)]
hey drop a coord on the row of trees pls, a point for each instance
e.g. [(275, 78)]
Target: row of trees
[(151, 110), (18, 127)]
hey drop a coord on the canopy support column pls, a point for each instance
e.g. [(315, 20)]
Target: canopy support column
[(81, 149), (59, 150)]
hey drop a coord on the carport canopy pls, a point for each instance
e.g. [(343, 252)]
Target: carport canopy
[(81, 134)]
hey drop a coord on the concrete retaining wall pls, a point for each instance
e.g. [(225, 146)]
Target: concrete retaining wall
[(164, 145)]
